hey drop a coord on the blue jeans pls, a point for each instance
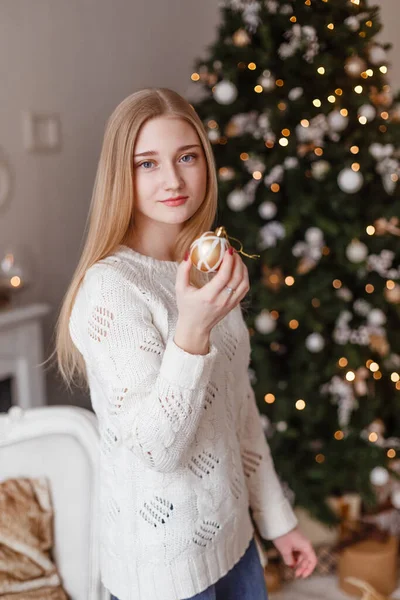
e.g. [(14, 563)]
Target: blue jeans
[(245, 581)]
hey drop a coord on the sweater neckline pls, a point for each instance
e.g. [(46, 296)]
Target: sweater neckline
[(169, 266)]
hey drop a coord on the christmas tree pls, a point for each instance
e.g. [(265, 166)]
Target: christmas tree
[(305, 130)]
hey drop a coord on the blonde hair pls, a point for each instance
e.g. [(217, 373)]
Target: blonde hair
[(110, 218)]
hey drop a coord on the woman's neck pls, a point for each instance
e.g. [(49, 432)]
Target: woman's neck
[(157, 242)]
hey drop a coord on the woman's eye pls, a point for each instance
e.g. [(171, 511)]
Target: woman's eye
[(146, 162), (193, 156)]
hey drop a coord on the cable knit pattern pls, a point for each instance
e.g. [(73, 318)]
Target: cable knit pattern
[(183, 454)]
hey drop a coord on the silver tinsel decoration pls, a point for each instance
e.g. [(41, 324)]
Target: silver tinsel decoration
[(299, 37), (270, 234), (382, 264), (343, 395), (250, 11), (274, 176)]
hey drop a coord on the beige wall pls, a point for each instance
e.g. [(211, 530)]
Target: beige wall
[(390, 15), (80, 58)]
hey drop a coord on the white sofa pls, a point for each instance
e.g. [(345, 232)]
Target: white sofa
[(61, 443)]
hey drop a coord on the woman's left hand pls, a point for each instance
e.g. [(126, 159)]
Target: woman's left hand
[(297, 552)]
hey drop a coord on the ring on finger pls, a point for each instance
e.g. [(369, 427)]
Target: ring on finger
[(229, 290)]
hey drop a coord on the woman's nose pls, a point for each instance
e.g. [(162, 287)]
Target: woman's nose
[(172, 177)]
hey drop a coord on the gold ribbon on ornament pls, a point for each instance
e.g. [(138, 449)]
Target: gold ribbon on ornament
[(221, 232)]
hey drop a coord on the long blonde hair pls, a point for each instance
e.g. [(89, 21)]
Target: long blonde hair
[(110, 218)]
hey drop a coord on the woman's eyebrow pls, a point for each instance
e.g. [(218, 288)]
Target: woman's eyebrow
[(153, 152)]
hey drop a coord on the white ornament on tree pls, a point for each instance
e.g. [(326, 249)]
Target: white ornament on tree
[(267, 81), (388, 183), (272, 6), (336, 121), (352, 23), (381, 151), (361, 307), (286, 9), (350, 181), (281, 426), (291, 162), (379, 476), (314, 235), (356, 251), (354, 66), (237, 200), (295, 93), (319, 169), (213, 135), (368, 111), (275, 175), (315, 342), (377, 55), (395, 498), (264, 323), (267, 210), (344, 293), (376, 317), (225, 92), (270, 234)]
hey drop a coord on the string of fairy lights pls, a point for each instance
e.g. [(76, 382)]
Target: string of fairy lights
[(357, 68)]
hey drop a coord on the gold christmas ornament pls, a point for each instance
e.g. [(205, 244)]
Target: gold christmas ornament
[(207, 252), (305, 265), (379, 344), (303, 149), (231, 129), (226, 174), (360, 381), (395, 113), (393, 295), (354, 66), (272, 278), (203, 74), (383, 97), (383, 226), (241, 38)]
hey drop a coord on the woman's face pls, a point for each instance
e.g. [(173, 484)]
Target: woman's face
[(171, 164)]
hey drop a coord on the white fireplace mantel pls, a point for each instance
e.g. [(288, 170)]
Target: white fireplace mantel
[(21, 353)]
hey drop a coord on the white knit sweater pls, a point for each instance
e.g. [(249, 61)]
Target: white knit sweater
[(183, 453)]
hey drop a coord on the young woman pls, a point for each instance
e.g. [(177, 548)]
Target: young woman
[(164, 351)]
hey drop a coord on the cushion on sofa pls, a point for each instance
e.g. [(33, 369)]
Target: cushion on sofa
[(27, 570)]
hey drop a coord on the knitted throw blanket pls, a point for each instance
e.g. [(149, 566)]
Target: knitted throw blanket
[(27, 571)]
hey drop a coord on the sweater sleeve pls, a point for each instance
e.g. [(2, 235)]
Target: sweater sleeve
[(271, 510), (153, 390)]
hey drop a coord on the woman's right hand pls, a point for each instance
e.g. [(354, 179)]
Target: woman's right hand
[(201, 309)]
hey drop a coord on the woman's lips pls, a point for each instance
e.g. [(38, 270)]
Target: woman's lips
[(175, 202)]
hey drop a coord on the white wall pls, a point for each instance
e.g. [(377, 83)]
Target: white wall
[(80, 58)]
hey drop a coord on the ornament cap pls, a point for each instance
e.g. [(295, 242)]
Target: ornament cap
[(221, 232)]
